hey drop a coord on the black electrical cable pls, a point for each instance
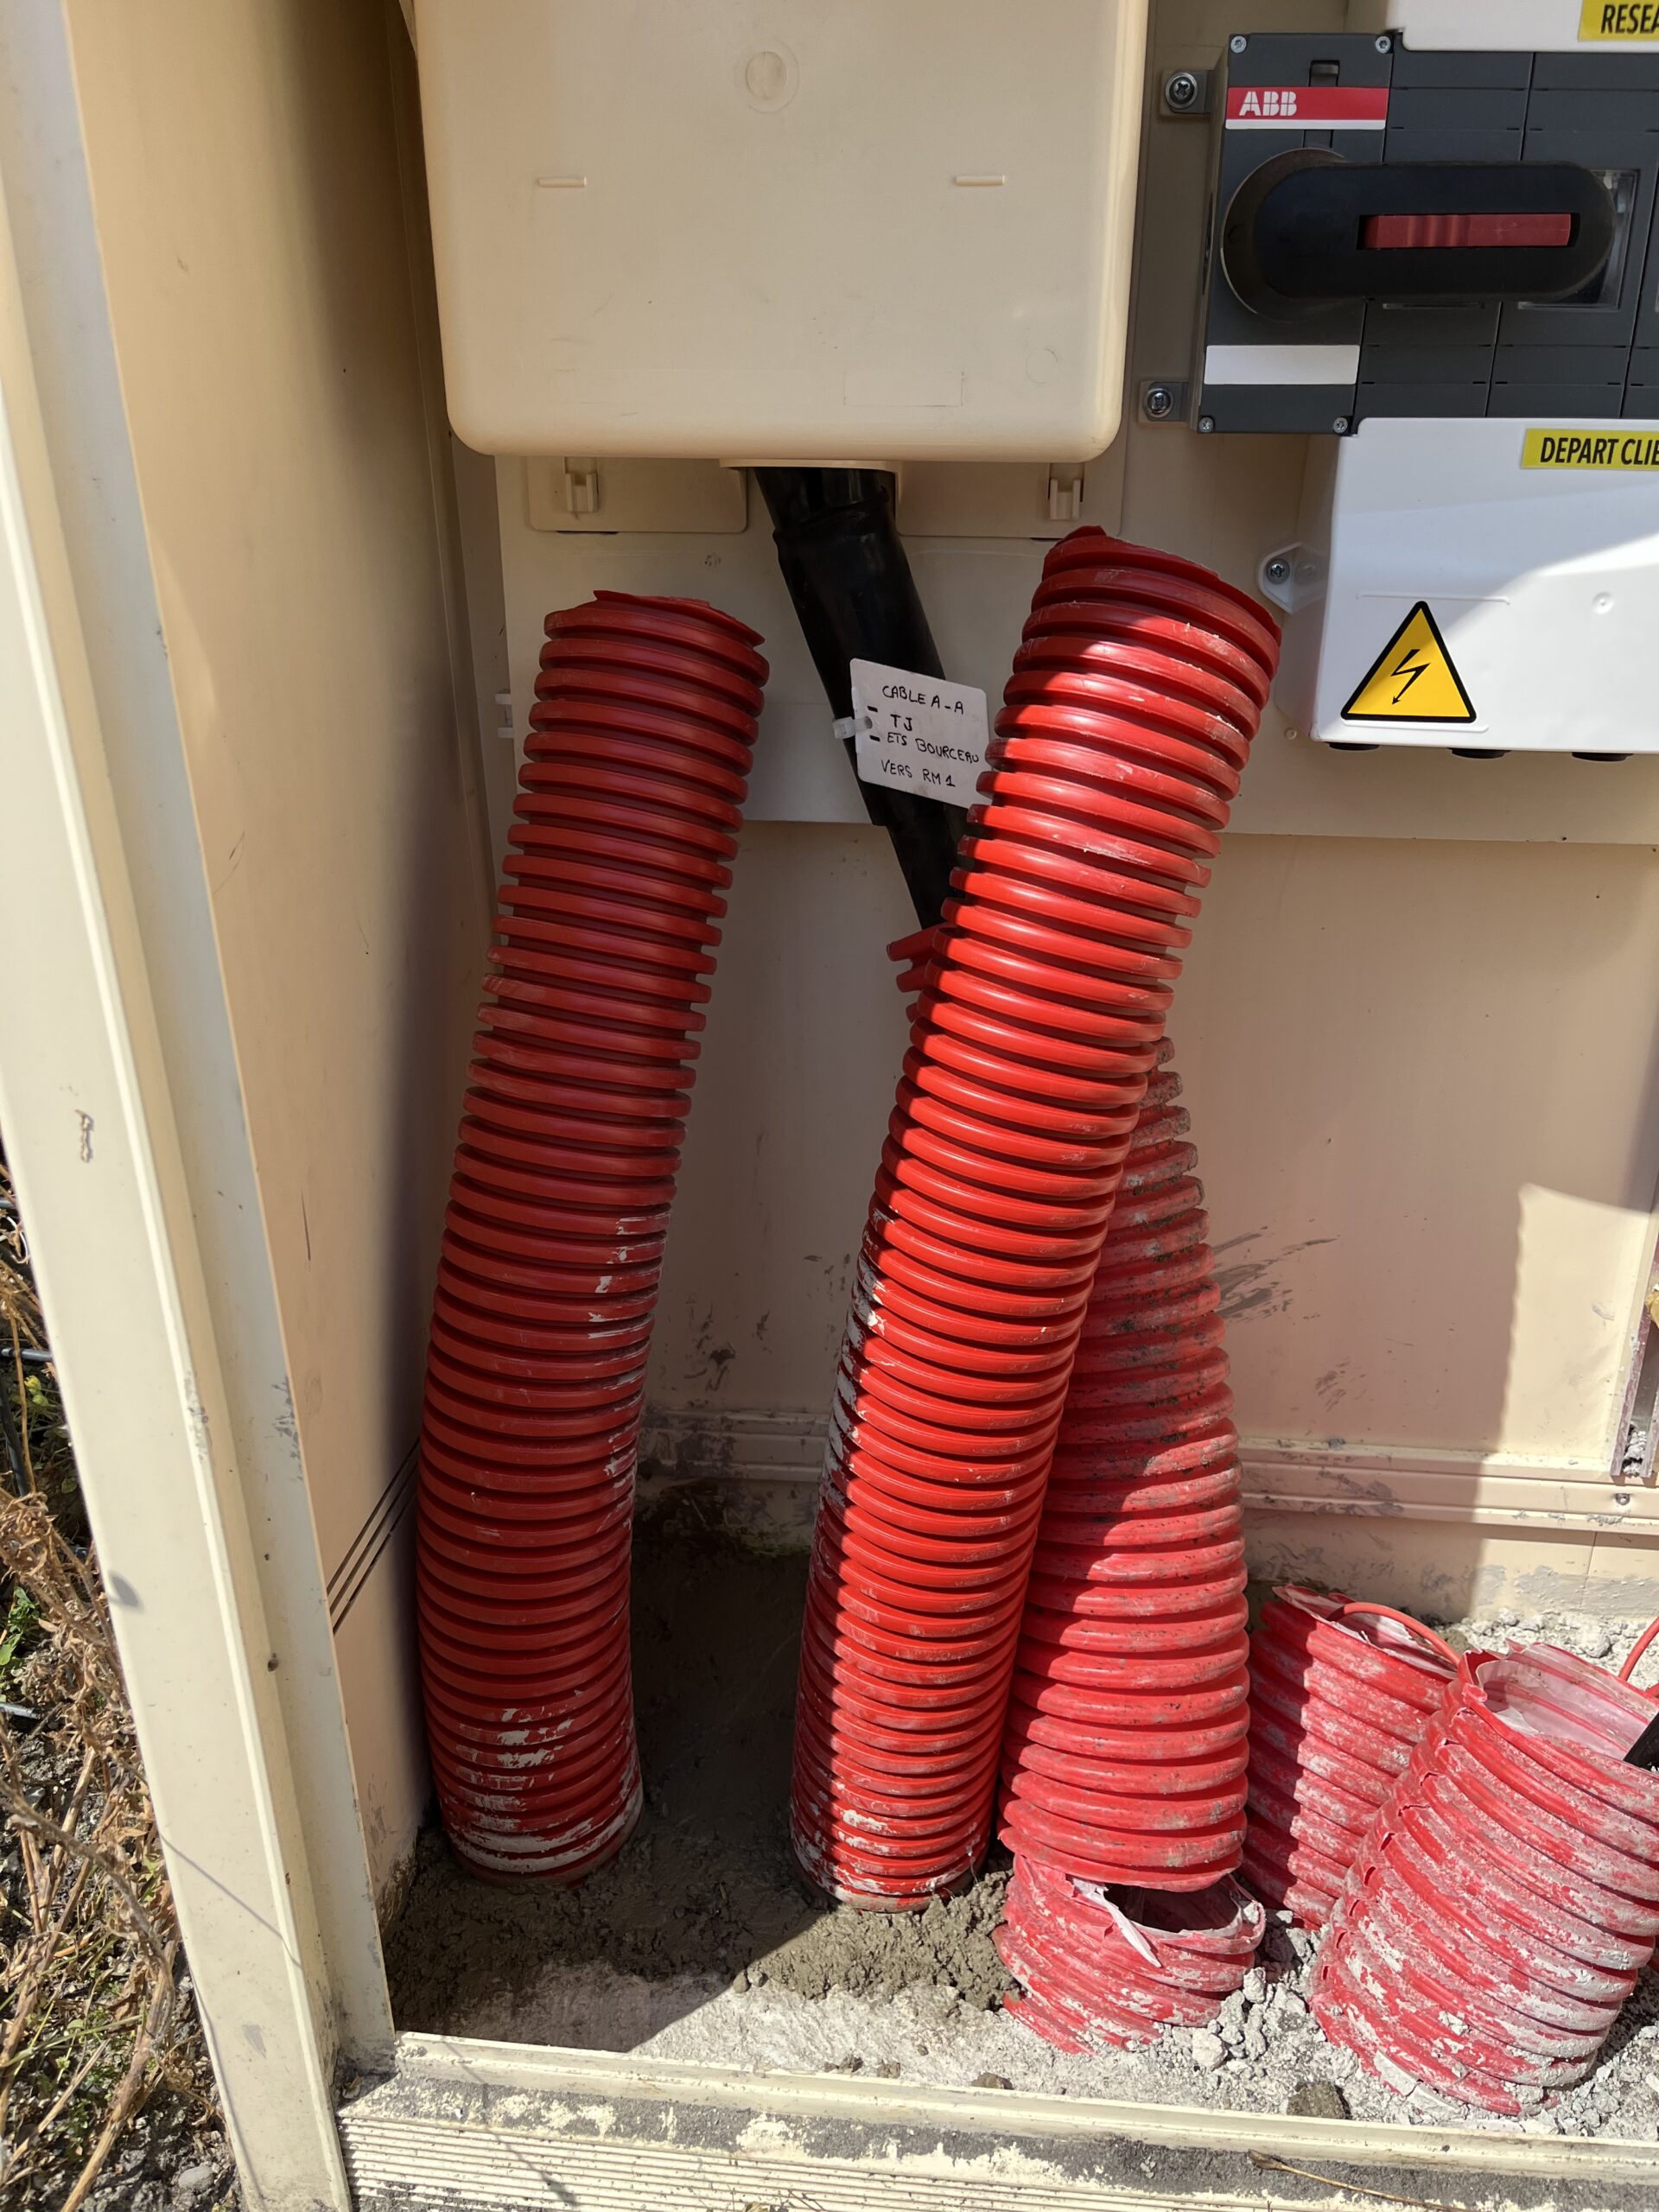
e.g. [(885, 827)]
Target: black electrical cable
[(843, 559), (1644, 1752), (13, 1440)]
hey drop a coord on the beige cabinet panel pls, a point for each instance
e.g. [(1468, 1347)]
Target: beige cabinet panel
[(245, 175), (1420, 1079)]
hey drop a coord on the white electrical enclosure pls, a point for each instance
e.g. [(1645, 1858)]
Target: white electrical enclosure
[(1514, 27), (1488, 585), (787, 230)]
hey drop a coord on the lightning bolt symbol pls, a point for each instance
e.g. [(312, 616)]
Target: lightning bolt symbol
[(1403, 667)]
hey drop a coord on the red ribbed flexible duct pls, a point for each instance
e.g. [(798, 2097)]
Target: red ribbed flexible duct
[(1124, 1761), (1135, 1623), (1127, 721), (1341, 1691), (1105, 1969), (627, 818), (1507, 1896)]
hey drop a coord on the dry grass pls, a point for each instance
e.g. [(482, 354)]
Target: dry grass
[(92, 2021)]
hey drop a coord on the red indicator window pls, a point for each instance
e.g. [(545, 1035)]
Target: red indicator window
[(1387, 232)]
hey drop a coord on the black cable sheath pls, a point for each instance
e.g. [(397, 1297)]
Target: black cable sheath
[(845, 565)]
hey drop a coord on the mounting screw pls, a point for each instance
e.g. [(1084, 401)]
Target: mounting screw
[(1182, 91), (1277, 571), (1159, 402), (1385, 45), (1340, 424), (1206, 421), (1238, 44)]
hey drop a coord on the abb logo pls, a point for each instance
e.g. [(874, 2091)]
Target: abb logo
[(1271, 100), (1308, 107)]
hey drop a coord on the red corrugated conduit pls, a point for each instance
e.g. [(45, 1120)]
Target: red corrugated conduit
[(1106, 1969), (1135, 1620), (1126, 722), (1125, 1756), (627, 819), (1507, 1897), (1341, 1692)]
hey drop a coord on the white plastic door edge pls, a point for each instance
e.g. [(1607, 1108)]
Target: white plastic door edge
[(123, 1115), (146, 1408)]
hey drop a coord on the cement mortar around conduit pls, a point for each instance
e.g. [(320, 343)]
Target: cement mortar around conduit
[(701, 1942)]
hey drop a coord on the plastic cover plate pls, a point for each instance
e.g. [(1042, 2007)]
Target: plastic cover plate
[(1543, 584), (746, 230)]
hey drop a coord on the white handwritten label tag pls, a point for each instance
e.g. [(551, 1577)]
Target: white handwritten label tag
[(918, 732)]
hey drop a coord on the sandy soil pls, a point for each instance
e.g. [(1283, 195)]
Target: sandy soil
[(702, 1941)]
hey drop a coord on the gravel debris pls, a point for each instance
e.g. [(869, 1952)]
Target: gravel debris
[(1317, 2100), (780, 1981)]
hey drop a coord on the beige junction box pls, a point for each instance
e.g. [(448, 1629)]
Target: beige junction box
[(834, 229)]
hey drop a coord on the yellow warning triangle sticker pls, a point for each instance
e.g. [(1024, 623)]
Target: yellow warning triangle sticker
[(1412, 679)]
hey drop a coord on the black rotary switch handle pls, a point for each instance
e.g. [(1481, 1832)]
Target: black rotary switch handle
[(1307, 229)]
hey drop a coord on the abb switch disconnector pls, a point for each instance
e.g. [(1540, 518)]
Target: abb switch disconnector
[(1439, 254)]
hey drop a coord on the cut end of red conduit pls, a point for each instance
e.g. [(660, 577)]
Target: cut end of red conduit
[(1104, 1968), (1507, 1897)]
